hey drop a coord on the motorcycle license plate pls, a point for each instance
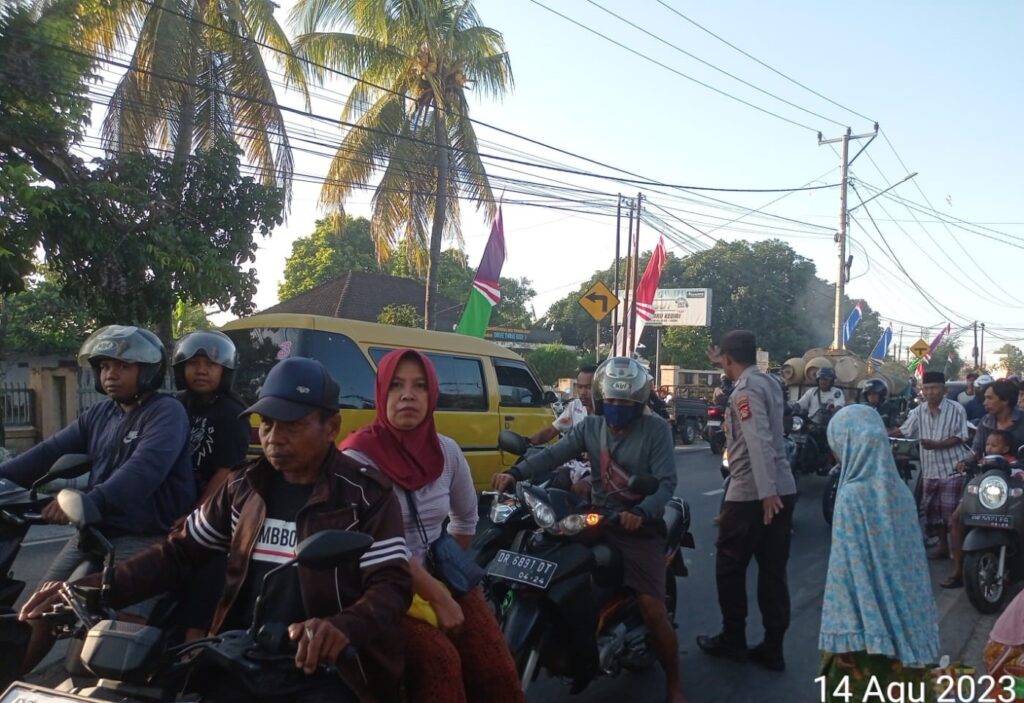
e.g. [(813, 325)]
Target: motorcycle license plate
[(522, 568), (714, 423), (988, 520), (27, 693)]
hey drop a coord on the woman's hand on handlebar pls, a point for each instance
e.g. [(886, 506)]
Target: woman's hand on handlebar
[(54, 515), (630, 521), (503, 482), (42, 601), (319, 642)]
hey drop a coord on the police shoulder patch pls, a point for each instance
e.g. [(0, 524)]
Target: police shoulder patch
[(743, 405)]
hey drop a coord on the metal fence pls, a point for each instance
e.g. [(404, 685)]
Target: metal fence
[(89, 396), (17, 401)]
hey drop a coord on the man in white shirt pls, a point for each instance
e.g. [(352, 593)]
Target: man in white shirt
[(823, 396), (574, 413), (941, 425), (968, 393)]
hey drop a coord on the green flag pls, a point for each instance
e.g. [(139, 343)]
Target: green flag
[(486, 292)]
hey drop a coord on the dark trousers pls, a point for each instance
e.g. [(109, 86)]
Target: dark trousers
[(742, 534)]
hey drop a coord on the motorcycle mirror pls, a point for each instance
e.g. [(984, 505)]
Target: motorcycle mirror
[(644, 485), (329, 548), (1020, 452), (509, 441), (68, 466), (550, 397), (81, 511)]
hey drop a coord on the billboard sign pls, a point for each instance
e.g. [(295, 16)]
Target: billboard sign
[(680, 307)]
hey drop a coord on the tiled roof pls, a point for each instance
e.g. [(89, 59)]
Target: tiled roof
[(357, 295)]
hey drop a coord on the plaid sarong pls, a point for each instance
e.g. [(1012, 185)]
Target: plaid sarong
[(939, 499)]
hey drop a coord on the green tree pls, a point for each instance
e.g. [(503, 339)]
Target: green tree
[(196, 77), (188, 318), (415, 133), (327, 253), (39, 320), (400, 316), (685, 347), (1013, 359), (552, 362)]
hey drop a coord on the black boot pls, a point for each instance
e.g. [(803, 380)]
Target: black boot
[(768, 656), (722, 645)]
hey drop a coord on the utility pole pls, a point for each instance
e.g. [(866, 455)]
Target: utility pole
[(618, 245), (899, 347), (626, 287), (983, 344), (843, 273), (975, 344), (636, 276)]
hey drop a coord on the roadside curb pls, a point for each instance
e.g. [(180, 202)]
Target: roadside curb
[(963, 631)]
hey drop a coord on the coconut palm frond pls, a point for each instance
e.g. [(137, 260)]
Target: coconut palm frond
[(263, 27)]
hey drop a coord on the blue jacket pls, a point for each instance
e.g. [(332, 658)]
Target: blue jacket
[(975, 409), (141, 478)]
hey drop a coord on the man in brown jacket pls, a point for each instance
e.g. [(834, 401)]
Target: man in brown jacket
[(300, 485)]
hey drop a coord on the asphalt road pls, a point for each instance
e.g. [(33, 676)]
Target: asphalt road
[(709, 680)]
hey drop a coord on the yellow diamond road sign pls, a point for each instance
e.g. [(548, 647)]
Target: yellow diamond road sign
[(920, 348), (598, 301)]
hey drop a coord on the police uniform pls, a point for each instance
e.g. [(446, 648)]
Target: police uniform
[(815, 399), (758, 469)]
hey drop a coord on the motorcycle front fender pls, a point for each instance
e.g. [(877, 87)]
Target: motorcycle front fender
[(981, 538), (521, 619)]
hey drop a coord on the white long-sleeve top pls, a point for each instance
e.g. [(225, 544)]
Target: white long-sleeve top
[(452, 495)]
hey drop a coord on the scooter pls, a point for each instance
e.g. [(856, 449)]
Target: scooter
[(132, 663), (714, 432), (992, 514), (570, 613)]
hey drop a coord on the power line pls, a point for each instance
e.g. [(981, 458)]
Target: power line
[(762, 63)]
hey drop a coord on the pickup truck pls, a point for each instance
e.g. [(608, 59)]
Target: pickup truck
[(688, 416)]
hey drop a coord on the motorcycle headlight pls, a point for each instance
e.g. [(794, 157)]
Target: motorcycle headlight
[(992, 492), (542, 512), (798, 424), (573, 524), (725, 459)]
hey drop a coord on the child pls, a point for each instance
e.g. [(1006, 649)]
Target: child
[(998, 443)]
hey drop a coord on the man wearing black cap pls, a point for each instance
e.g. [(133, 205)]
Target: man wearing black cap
[(302, 484), (941, 425)]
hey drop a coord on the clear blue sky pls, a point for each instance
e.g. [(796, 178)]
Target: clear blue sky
[(941, 78)]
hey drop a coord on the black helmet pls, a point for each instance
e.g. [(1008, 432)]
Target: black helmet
[(130, 344), (215, 346), (827, 373), (874, 385)]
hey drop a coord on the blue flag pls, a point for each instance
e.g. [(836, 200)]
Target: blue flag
[(851, 323), (882, 348)]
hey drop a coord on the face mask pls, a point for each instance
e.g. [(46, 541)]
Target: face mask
[(618, 416)]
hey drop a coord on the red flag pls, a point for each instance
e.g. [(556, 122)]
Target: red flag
[(645, 291)]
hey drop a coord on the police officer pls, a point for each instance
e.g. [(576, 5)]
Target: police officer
[(823, 396), (758, 510)]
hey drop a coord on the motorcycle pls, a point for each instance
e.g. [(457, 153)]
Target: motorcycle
[(133, 663), (570, 614), (906, 454), (714, 432), (812, 454), (992, 515)]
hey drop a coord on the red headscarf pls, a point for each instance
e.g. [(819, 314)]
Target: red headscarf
[(411, 458)]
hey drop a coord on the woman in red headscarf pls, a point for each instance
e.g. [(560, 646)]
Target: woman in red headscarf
[(455, 652)]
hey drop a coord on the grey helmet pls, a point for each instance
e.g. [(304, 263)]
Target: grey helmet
[(874, 385), (622, 378), (130, 344), (982, 382), (215, 346)]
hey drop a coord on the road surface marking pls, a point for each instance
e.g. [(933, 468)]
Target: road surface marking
[(715, 492), (37, 542)]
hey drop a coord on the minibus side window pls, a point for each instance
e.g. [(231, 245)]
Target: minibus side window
[(517, 385), (346, 363), (460, 380)]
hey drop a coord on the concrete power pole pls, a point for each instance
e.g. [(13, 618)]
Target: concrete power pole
[(843, 273)]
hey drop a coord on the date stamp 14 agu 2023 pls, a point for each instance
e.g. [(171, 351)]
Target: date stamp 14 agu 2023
[(944, 689)]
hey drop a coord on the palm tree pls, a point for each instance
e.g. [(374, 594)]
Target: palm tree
[(415, 61), (196, 74)]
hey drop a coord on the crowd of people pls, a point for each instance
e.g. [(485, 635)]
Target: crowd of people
[(190, 515)]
